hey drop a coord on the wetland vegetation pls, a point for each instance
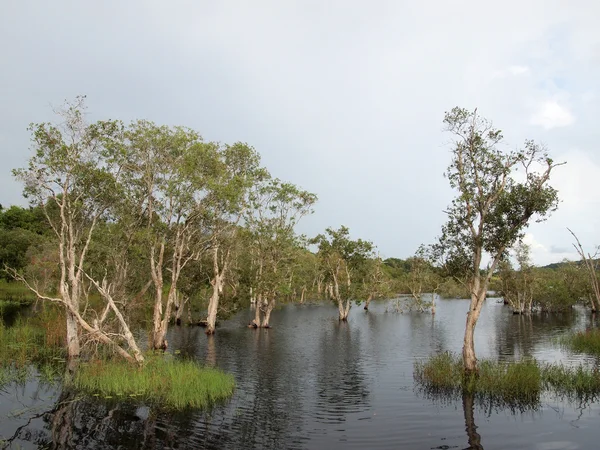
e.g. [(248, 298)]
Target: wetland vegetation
[(139, 233)]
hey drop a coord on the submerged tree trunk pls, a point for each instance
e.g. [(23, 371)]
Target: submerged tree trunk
[(469, 358), (213, 306), (158, 332), (368, 302), (302, 295), (256, 321), (267, 316), (344, 309), (218, 283), (433, 304)]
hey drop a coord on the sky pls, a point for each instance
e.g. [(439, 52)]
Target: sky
[(343, 98)]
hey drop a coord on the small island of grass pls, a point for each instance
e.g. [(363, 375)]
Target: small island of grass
[(516, 382), (165, 381)]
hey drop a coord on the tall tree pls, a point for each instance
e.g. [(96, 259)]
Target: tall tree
[(276, 209), (492, 207), (168, 171), (238, 170), (342, 259), (591, 264), (518, 285), (72, 176)]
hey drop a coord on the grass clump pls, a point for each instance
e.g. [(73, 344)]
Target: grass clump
[(24, 343), (511, 383), (579, 382), (172, 383), (587, 341), (23, 347), (518, 383)]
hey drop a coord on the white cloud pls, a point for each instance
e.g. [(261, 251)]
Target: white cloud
[(588, 96), (552, 115), (510, 71), (345, 98), (518, 70)]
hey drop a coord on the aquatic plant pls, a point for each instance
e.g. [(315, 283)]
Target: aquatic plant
[(513, 383), (587, 341)]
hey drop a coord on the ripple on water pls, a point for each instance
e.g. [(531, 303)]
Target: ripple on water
[(313, 382)]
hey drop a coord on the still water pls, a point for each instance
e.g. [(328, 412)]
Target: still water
[(312, 382)]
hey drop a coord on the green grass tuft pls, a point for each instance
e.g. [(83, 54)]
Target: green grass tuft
[(511, 383), (171, 383), (24, 343), (579, 382), (583, 342)]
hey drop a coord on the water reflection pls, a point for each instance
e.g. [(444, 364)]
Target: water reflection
[(313, 382), (473, 437), (341, 384)]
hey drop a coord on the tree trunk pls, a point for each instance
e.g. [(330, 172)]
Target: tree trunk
[(433, 304), (158, 338), (213, 305), (302, 296), (157, 330), (256, 322), (469, 358), (344, 309), (73, 348), (179, 305), (368, 302), (267, 316)]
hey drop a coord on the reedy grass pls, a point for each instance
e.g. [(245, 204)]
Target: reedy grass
[(176, 384), (572, 382), (514, 383), (24, 343), (587, 341), (25, 346)]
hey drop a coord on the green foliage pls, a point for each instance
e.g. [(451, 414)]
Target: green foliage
[(557, 290), (174, 384), (343, 260), (274, 246), (492, 208), (22, 233), (451, 288)]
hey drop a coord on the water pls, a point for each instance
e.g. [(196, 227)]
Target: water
[(312, 382)]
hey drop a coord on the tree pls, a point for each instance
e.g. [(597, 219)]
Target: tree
[(238, 171), (518, 285), (376, 283), (492, 207), (166, 173), (341, 260), (591, 264), (423, 278), (276, 209), (72, 177)]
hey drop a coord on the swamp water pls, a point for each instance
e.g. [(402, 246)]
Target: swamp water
[(312, 382)]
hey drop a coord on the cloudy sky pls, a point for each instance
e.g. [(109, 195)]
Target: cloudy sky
[(344, 98)]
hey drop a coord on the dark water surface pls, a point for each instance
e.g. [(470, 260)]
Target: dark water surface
[(312, 382)]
